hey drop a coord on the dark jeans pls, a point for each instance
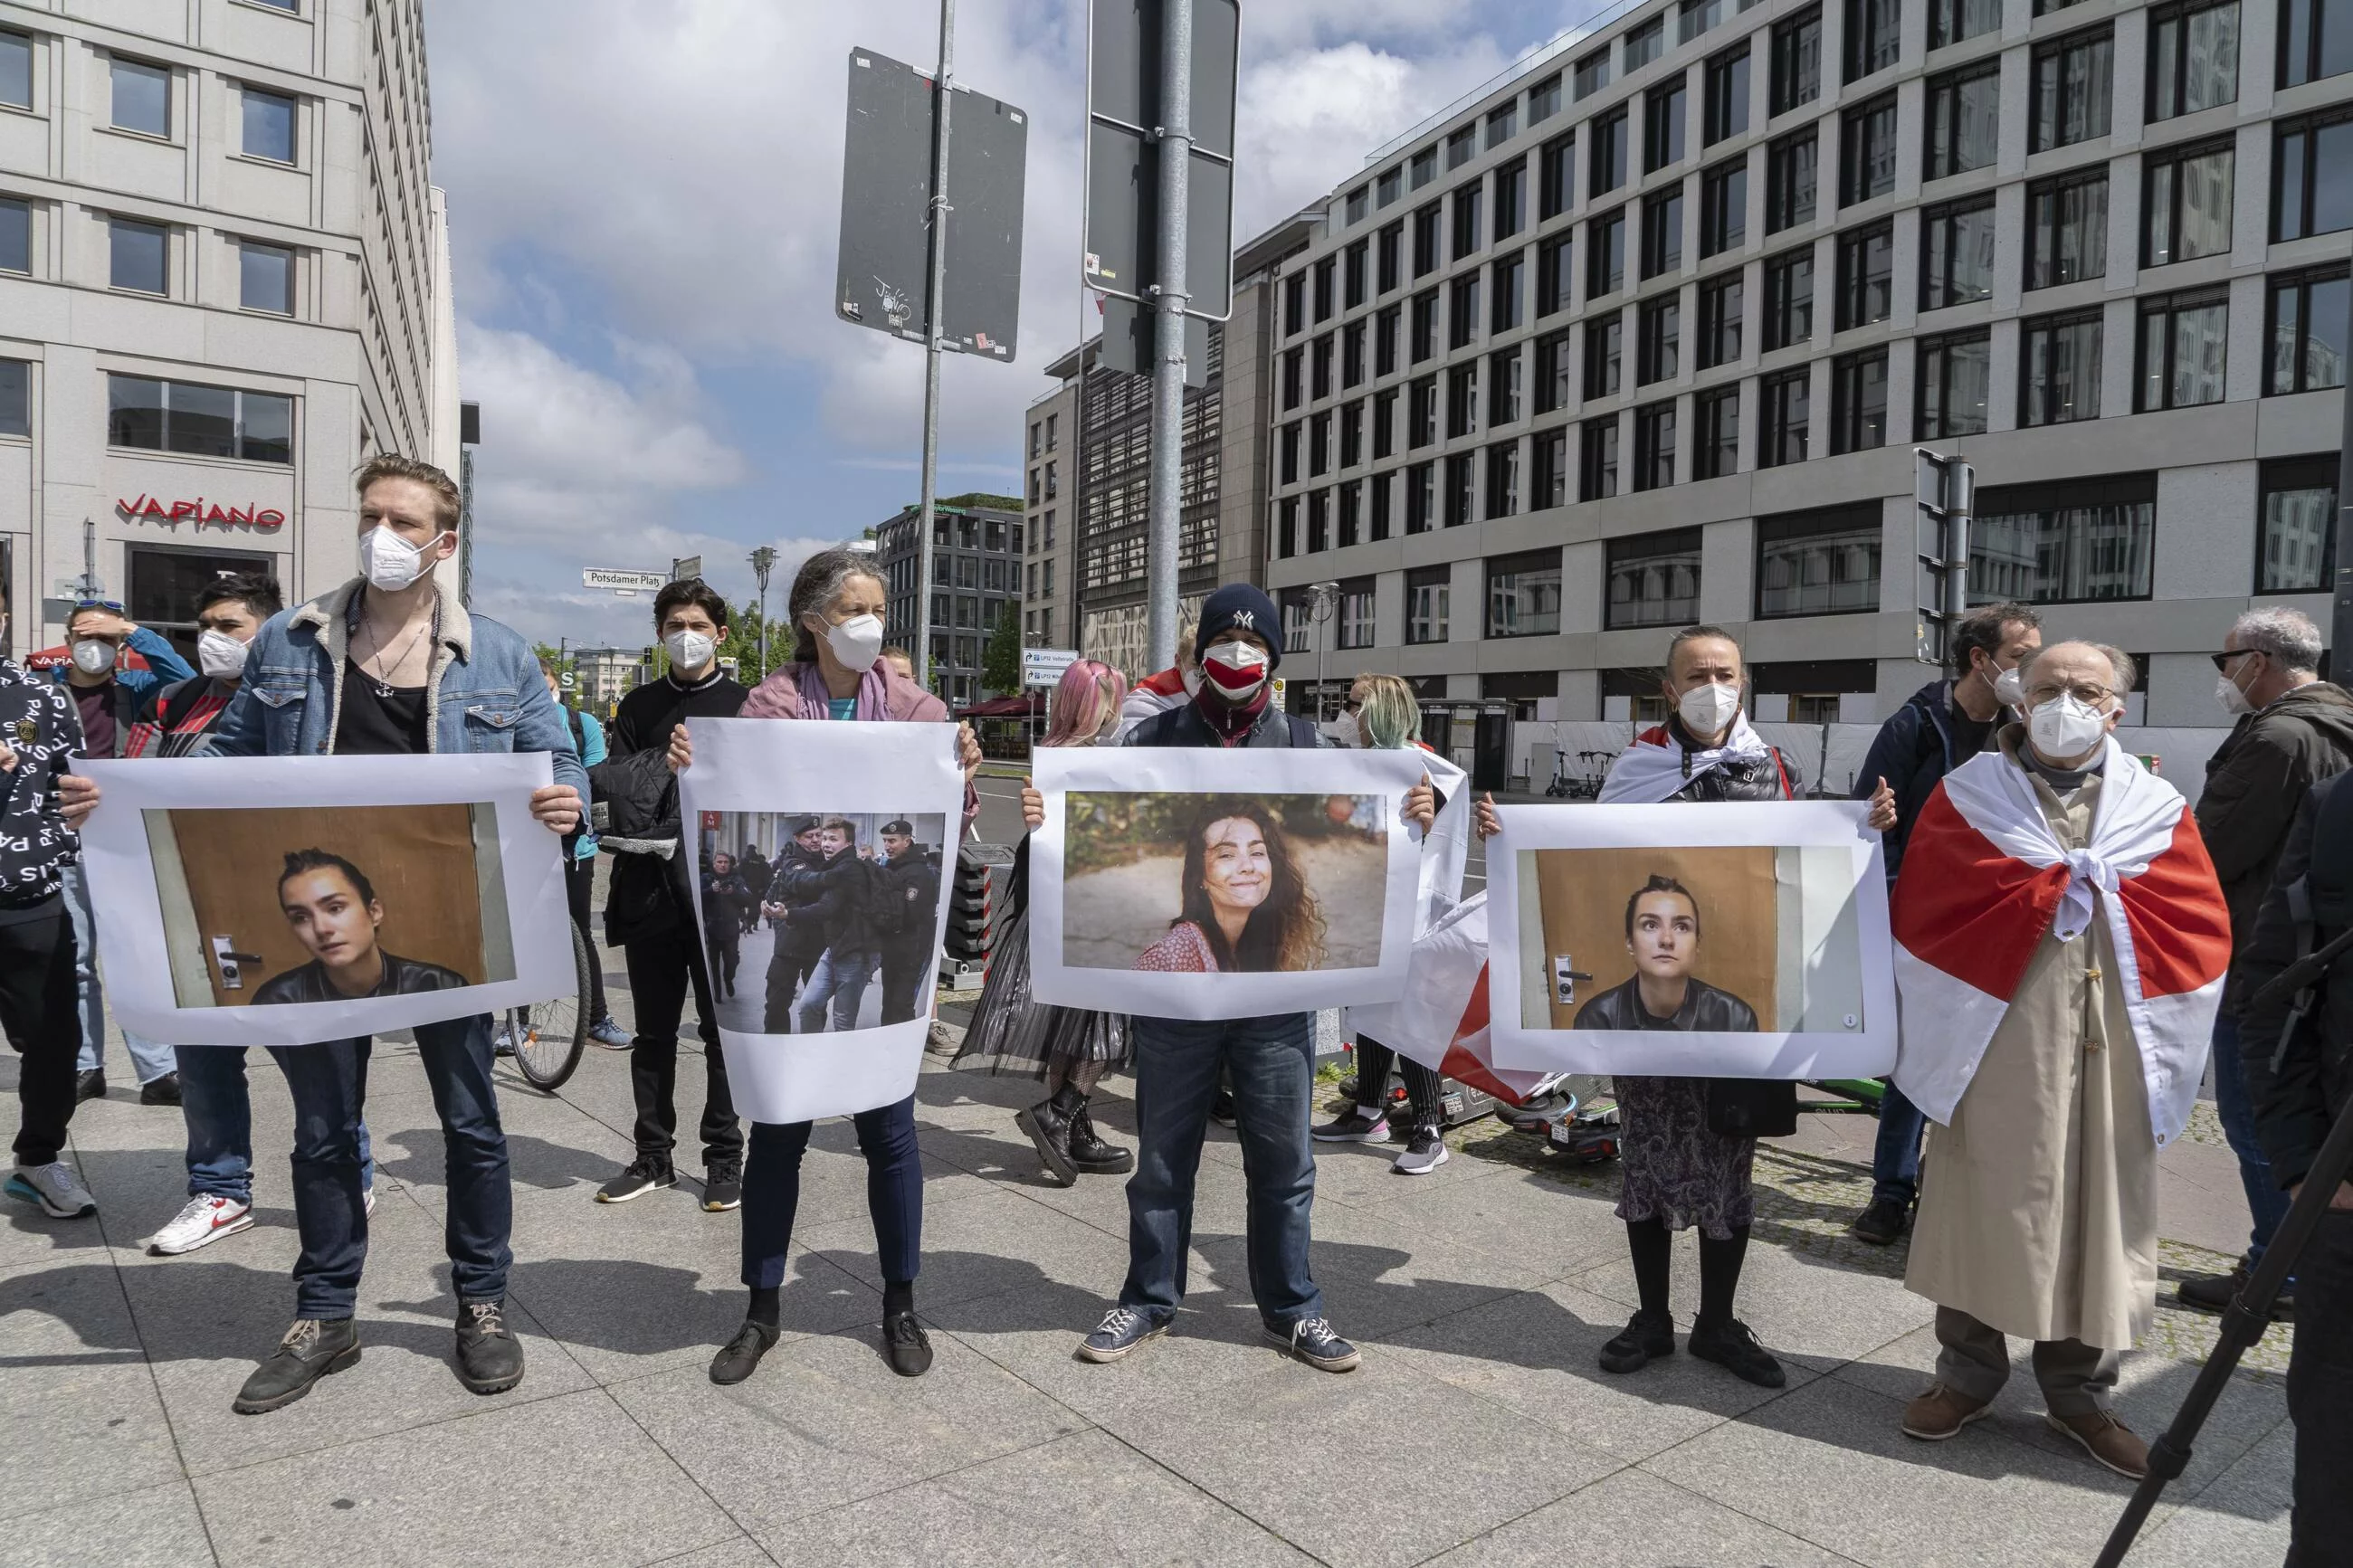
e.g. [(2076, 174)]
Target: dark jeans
[(1271, 1064), (579, 876), (723, 949), (2266, 1205), (894, 1192), (1895, 1160), (1422, 1087), (905, 967), (38, 1010), (2320, 1395), (330, 1087), (661, 968), (788, 969), (218, 1109)]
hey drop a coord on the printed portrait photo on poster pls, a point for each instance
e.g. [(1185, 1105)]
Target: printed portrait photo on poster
[(1282, 884), (332, 897), (1745, 940), (821, 855)]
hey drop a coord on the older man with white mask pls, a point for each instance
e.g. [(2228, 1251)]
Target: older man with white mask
[(2062, 943)]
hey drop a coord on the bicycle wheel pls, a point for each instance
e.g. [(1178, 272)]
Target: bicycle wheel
[(547, 1037)]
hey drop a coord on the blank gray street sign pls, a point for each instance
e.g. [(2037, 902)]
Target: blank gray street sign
[(886, 196), (1122, 156), (1128, 340)]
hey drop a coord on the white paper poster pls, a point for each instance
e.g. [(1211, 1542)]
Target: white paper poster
[(1181, 883), (286, 900), (1444, 853), (1728, 940), (821, 855)]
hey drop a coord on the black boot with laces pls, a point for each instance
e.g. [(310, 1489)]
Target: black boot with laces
[(490, 1358)]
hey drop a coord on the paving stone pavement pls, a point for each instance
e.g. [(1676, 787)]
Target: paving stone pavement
[(1479, 1431)]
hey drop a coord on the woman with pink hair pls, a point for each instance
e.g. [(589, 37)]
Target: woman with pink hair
[(1069, 1048)]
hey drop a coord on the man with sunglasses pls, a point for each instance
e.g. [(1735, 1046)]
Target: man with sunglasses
[(109, 697), (2290, 731)]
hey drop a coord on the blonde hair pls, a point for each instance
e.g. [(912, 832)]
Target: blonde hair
[(448, 504), (1391, 714)]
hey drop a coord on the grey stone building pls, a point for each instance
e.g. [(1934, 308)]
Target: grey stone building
[(976, 574), (224, 285), (1642, 334)]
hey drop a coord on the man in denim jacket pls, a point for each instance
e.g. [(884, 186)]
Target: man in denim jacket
[(391, 663)]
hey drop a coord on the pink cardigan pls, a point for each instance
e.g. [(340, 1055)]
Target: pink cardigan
[(884, 695)]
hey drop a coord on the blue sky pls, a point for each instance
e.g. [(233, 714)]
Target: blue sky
[(644, 197)]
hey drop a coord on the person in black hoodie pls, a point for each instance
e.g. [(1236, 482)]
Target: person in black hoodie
[(724, 899), (840, 890), (793, 957), (1943, 724), (1272, 1059), (650, 907)]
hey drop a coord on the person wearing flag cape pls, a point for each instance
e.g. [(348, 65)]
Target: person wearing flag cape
[(2061, 946)]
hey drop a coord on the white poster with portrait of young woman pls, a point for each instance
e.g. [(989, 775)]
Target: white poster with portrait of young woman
[(822, 855), (1199, 884), (1725, 940), (287, 900)]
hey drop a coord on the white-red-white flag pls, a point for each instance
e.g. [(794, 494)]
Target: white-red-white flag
[(1442, 1019), (1985, 880)]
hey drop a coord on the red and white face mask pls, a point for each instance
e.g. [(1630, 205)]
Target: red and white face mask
[(1236, 668)]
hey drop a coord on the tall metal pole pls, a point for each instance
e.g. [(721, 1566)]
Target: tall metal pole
[(764, 561), (1175, 133), (2340, 627), (933, 335)]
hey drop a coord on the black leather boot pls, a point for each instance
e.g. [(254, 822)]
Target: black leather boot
[(311, 1349), (1048, 1125), (1091, 1154)]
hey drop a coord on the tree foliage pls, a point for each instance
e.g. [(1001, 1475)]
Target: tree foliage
[(1000, 661)]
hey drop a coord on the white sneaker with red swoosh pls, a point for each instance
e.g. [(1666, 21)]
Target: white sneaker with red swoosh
[(206, 1219)]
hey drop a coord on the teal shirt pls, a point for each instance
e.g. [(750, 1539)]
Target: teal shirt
[(843, 707)]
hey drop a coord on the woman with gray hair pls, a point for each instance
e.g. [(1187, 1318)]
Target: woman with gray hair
[(836, 675)]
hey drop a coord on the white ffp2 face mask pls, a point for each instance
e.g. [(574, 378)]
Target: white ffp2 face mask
[(689, 651), (1709, 709), (2065, 730), (389, 561), (219, 655), (855, 642), (2008, 689), (92, 656)]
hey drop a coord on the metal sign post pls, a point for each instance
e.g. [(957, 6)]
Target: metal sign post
[(1944, 490), (764, 561), (898, 223), (1161, 77)]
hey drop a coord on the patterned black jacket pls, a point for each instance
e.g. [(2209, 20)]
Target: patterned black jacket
[(39, 725)]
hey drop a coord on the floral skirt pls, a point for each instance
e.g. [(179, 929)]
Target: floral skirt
[(1676, 1171), (1013, 1031)]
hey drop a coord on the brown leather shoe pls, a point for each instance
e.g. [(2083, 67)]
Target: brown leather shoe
[(1941, 1413), (2106, 1439)]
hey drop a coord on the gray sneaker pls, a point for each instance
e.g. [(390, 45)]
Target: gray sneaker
[(1424, 1153), (608, 1032), (55, 1187)]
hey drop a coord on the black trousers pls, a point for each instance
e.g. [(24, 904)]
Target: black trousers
[(904, 969), (1422, 1087), (661, 969), (788, 971), (2320, 1394), (38, 1010), (724, 950), (579, 876)]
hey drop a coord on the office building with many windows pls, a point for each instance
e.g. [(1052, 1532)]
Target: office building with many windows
[(975, 580), (224, 285), (1655, 320)]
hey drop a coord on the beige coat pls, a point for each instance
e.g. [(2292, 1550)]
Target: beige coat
[(2038, 1206)]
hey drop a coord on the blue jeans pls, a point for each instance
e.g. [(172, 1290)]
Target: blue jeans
[(841, 976), (149, 1060), (219, 1113), (1271, 1064), (894, 1192), (2265, 1203), (330, 1086), (1896, 1158)]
